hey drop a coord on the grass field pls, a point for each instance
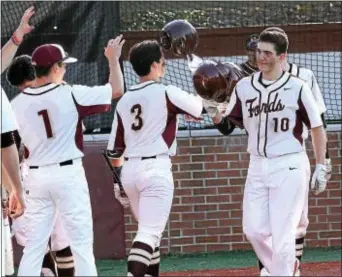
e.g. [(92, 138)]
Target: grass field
[(220, 260)]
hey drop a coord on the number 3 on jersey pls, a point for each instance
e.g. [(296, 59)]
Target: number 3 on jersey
[(138, 121), (44, 114)]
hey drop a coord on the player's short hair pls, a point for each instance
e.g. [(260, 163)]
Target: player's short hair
[(143, 54), (42, 71), (20, 70), (277, 38), (276, 29)]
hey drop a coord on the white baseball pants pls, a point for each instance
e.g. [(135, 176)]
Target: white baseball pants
[(273, 202), (149, 186), (63, 188)]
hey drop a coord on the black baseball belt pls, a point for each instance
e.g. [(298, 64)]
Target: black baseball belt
[(68, 162)]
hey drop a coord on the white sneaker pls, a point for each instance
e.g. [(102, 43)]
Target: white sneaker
[(47, 272), (264, 272)]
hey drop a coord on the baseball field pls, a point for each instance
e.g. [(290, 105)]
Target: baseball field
[(317, 262)]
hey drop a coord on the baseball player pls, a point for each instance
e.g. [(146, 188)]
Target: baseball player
[(250, 66), (273, 106), (49, 117), (21, 74), (144, 135)]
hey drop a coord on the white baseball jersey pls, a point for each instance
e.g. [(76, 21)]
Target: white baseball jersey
[(273, 115), (8, 122), (50, 119), (145, 121), (309, 77)]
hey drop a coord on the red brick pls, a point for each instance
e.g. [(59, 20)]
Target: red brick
[(237, 181), (182, 175), (215, 149), (235, 214), (218, 198), (192, 199), (237, 148), (176, 200), (183, 142), (216, 165), (181, 224), (317, 226), (175, 167), (203, 174), (192, 216), (227, 157), (335, 242), (231, 238), (244, 157), (204, 141), (193, 248), (229, 173), (241, 246), (194, 232), (216, 182), (318, 210), (237, 197), (329, 202), (334, 193), (219, 230), (181, 209), (205, 207), (174, 217), (205, 191), (190, 167), (335, 226), (182, 241), (182, 191), (175, 233), (237, 230), (317, 243), (189, 150), (335, 210), (206, 223), (330, 234), (239, 164), (312, 235), (230, 206), (231, 222), (206, 239), (203, 158), (334, 218), (219, 247), (175, 249), (181, 159), (216, 215), (191, 183)]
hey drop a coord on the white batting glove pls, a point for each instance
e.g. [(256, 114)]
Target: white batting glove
[(319, 179), (211, 107), (121, 196), (328, 166)]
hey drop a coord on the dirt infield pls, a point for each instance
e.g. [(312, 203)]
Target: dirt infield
[(308, 269)]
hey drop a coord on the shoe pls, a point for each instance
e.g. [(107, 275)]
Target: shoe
[(264, 272), (47, 272)]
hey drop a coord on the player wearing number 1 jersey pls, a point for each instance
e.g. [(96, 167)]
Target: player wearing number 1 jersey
[(144, 133), (50, 117)]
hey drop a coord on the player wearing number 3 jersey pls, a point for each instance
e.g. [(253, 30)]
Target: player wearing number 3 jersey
[(50, 117), (144, 133)]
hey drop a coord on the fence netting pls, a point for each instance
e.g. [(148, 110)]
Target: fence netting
[(83, 28)]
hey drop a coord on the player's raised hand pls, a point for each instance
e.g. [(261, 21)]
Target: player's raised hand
[(114, 48), (24, 26), (319, 179), (16, 204)]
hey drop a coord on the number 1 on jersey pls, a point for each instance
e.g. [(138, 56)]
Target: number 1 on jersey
[(47, 124)]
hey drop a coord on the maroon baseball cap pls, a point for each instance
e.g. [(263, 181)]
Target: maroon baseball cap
[(48, 54)]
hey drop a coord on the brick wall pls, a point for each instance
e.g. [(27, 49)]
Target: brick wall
[(206, 215)]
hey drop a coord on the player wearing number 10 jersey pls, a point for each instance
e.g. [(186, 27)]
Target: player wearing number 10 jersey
[(50, 116)]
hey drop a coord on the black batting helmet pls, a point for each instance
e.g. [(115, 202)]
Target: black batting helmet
[(252, 42), (180, 36), (216, 81)]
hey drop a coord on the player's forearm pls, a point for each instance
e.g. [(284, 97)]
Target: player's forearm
[(116, 79), (10, 164), (319, 142), (7, 54)]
